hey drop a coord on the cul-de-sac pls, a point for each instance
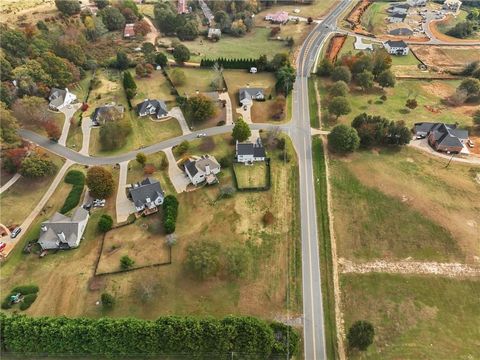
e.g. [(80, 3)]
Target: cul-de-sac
[(240, 179)]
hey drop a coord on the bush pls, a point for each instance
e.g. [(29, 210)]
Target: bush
[(25, 289), (108, 301), (383, 97), (343, 139), (105, 223), (268, 218), (77, 178), (226, 161), (360, 335), (126, 262), (6, 303), (170, 212), (27, 301), (182, 148)]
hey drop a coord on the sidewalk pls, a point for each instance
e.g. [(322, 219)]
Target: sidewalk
[(10, 182)]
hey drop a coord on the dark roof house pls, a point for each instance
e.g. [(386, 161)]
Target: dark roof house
[(152, 107), (442, 137), (247, 95), (248, 152), (107, 113), (146, 194)]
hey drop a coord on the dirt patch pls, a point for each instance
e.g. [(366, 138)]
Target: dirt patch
[(355, 16), (334, 47), (438, 88)]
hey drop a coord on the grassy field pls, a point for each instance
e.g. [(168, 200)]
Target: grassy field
[(450, 22), (154, 87), (415, 317), (272, 283), (313, 105), (251, 45), (373, 19), (316, 9), (249, 176), (428, 93), (325, 250), (143, 241), (404, 204), (20, 199), (450, 57), (197, 80)]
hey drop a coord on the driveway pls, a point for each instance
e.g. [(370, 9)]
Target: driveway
[(10, 182), (68, 111), (423, 145), (124, 207), (246, 114), (177, 113), (153, 34), (178, 178), (228, 105), (86, 129)]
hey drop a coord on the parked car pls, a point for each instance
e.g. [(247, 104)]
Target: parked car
[(470, 143), (87, 206), (99, 203), (201, 135), (2, 246), (15, 232)]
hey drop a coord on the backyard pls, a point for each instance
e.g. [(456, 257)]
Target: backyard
[(156, 86), (414, 317), (251, 176), (393, 199), (197, 80)]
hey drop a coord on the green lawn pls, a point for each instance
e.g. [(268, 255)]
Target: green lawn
[(251, 176), (197, 79), (373, 19), (415, 317), (156, 86), (313, 106), (81, 89), (136, 171), (428, 93)]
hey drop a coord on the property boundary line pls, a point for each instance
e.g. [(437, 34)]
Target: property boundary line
[(257, 188)]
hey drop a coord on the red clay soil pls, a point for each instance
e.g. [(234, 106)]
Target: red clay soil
[(355, 16), (334, 47), (443, 37)]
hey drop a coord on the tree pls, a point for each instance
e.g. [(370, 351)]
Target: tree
[(339, 106), (129, 15), (238, 28), (360, 335), (58, 68), (142, 27), (411, 104), (12, 159), (8, 93), (35, 167), (222, 20), (285, 78), (181, 54), (122, 61), (31, 110), (108, 301), (113, 134), (325, 68), (462, 30), (268, 218), (105, 223), (182, 148), (52, 129), (8, 127), (15, 43), (170, 212), (102, 3), (129, 85), (342, 73), (238, 261), (471, 86), (200, 108), (68, 7), (141, 158), (241, 130), (339, 88), (126, 262), (363, 63), (386, 79), (161, 59), (381, 61), (476, 117), (365, 80), (70, 51), (100, 182), (203, 258), (376, 130), (279, 60), (189, 31), (343, 139), (141, 70), (178, 77), (6, 67), (112, 18)]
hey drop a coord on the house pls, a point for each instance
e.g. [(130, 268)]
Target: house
[(396, 18), (59, 98), (107, 113), (280, 17), (63, 232), (394, 47), (452, 5), (214, 34), (129, 31), (247, 95), (146, 195), (152, 107), (418, 3), (400, 29), (202, 169), (443, 137), (399, 9), (250, 152)]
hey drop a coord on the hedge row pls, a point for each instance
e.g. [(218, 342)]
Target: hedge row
[(198, 338), (231, 63), (77, 179), (170, 212)]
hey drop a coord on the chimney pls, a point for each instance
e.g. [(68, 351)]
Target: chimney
[(43, 227), (61, 236), (207, 169)]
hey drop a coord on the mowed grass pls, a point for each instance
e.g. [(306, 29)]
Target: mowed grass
[(197, 79), (405, 203), (156, 86), (250, 176), (415, 317), (20, 199), (428, 93), (373, 19)]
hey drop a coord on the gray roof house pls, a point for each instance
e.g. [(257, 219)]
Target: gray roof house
[(152, 107), (146, 195), (396, 17), (247, 95), (59, 98), (63, 232), (214, 34), (250, 152), (442, 137), (204, 168), (395, 47), (106, 113)]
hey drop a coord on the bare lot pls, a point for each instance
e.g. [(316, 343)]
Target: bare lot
[(448, 57), (250, 176)]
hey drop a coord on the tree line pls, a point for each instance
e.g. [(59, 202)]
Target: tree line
[(196, 337)]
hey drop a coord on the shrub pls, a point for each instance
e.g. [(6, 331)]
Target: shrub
[(411, 103), (100, 182), (126, 262), (6, 303), (75, 177), (383, 97), (105, 223), (343, 139), (182, 148), (27, 301), (268, 218), (360, 335), (148, 169), (170, 212), (108, 301), (72, 199), (225, 161), (25, 289)]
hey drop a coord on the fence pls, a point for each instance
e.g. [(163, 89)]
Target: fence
[(260, 188)]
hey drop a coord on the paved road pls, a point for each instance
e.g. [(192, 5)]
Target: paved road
[(10, 182)]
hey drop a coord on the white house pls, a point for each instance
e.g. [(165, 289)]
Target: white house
[(152, 107), (59, 98), (63, 232), (146, 195), (214, 34), (417, 2), (452, 5), (247, 95), (202, 169), (250, 152), (396, 47)]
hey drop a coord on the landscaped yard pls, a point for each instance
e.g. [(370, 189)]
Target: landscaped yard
[(415, 317), (428, 93), (156, 86), (142, 241), (197, 80), (251, 176), (397, 204), (160, 163)]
